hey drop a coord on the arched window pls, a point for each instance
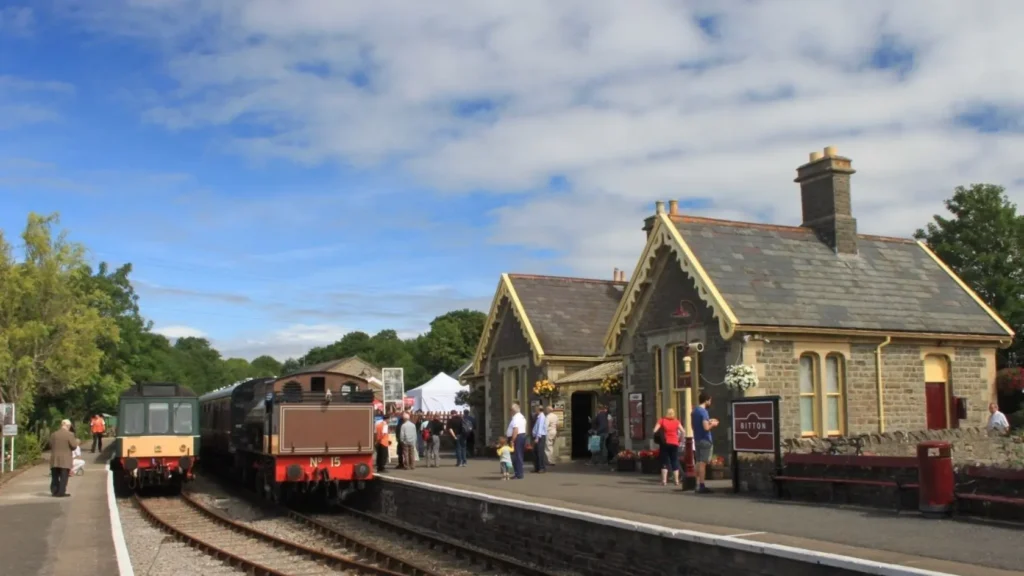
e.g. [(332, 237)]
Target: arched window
[(834, 391), (808, 397)]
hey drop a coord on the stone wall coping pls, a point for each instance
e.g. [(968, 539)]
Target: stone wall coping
[(778, 550)]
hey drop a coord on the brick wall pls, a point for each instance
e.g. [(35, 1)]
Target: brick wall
[(564, 540), (902, 376)]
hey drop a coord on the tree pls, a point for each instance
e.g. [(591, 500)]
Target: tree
[(51, 325), (451, 341), (984, 244), (200, 365), (264, 366)]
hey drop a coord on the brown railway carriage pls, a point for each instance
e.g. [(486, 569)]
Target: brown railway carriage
[(311, 431)]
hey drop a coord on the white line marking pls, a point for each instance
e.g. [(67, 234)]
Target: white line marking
[(745, 534), (124, 563), (778, 550)]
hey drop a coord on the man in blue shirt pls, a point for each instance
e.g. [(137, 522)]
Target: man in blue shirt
[(540, 436), (702, 425)]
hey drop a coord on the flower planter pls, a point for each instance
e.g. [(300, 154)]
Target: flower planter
[(717, 473), (626, 465), (650, 466)]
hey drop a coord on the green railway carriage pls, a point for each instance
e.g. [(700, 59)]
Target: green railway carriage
[(157, 437)]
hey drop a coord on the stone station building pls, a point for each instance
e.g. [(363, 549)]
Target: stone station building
[(857, 334), (541, 328)]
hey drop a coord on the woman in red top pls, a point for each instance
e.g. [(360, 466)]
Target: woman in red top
[(672, 429)]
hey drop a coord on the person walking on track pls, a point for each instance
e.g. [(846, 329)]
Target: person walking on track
[(62, 444), (98, 427), (517, 433)]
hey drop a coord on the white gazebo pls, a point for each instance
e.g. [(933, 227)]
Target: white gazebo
[(437, 394)]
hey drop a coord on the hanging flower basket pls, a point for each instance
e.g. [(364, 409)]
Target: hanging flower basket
[(545, 389), (611, 385), (741, 377), (626, 461)]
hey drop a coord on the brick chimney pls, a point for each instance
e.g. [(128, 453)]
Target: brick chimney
[(615, 275), (659, 208), (825, 197)]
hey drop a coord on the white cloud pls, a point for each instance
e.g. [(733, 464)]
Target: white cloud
[(290, 342), (175, 332), (631, 102)]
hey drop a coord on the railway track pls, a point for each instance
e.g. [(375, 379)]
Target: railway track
[(260, 553)]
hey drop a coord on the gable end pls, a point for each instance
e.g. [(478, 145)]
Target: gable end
[(506, 291)]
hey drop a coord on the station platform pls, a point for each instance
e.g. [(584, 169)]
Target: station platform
[(45, 536), (965, 548)]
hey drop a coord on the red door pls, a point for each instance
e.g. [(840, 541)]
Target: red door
[(935, 405)]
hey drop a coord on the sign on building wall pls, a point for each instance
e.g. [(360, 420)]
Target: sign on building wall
[(636, 416), (394, 384)]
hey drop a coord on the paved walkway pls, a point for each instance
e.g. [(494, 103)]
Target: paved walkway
[(45, 536), (954, 547)]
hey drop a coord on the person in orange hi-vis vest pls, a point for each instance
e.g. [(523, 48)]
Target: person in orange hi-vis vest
[(382, 441), (98, 426)]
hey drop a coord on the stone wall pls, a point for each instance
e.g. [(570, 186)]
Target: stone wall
[(509, 342), (903, 379), (588, 545)]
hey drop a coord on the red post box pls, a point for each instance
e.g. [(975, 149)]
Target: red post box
[(935, 476)]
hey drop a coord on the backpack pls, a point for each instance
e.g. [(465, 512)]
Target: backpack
[(426, 434), (467, 425)]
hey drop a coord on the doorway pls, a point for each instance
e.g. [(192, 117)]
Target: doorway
[(937, 393), (583, 406)]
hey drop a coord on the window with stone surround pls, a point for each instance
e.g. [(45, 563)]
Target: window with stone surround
[(808, 378), (835, 387), (656, 359)]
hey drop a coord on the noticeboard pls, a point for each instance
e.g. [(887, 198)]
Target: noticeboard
[(10, 430), (393, 380), (7, 416), (755, 425), (636, 416)]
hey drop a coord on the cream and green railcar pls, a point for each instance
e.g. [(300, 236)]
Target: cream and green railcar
[(157, 437)]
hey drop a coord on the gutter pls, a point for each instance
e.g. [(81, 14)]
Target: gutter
[(878, 382)]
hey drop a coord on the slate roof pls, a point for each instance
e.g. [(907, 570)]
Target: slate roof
[(785, 276), (462, 370), (593, 373), (569, 315)]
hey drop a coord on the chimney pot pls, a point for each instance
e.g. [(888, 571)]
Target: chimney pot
[(673, 207), (831, 151), (622, 275), (815, 156), (615, 275), (659, 207)]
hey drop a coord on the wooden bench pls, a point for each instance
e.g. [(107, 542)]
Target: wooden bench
[(899, 485), (989, 498)]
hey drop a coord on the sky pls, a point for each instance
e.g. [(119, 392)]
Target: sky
[(282, 172)]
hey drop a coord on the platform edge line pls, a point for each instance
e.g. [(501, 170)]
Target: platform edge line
[(778, 550), (124, 563)]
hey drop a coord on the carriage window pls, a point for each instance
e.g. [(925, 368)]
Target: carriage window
[(134, 419), (158, 418), (183, 418), (317, 384)]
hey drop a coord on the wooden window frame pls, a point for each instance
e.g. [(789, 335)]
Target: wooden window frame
[(813, 395), (656, 357), (841, 395)]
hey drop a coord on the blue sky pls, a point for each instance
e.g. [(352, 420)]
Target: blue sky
[(280, 173)]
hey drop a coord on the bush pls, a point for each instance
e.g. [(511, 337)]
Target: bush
[(27, 449)]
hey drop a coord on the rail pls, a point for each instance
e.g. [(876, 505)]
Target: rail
[(169, 517)]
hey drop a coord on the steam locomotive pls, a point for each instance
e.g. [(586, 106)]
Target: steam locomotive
[(301, 435)]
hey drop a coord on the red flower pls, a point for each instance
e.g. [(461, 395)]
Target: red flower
[(1010, 380)]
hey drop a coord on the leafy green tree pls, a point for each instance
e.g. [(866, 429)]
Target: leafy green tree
[(51, 325), (200, 365), (451, 341), (263, 366), (983, 242)]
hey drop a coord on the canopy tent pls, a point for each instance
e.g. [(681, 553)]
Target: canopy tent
[(437, 395)]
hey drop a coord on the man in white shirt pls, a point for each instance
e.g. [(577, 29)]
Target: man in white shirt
[(516, 433), (997, 420)]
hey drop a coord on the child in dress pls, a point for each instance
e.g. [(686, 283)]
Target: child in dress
[(504, 458)]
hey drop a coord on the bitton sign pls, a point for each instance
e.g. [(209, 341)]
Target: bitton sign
[(754, 427)]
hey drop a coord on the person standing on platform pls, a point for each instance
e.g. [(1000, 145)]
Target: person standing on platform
[(62, 444), (671, 434), (702, 426), (407, 436), (540, 434), (421, 422), (516, 433), (550, 450), (997, 420), (469, 427), (456, 427), (383, 441), (98, 427), (436, 429), (601, 427)]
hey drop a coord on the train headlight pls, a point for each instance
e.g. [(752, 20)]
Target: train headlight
[(361, 471), (294, 473), (182, 448), (131, 448)]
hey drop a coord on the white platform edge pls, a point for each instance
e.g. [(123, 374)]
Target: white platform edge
[(777, 550), (124, 563)]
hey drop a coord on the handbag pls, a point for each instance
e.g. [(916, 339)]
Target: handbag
[(659, 436)]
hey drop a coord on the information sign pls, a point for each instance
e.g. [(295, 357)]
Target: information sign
[(394, 384)]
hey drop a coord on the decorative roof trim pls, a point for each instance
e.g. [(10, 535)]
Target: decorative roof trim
[(507, 290), (974, 296), (665, 233), (1002, 340)]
